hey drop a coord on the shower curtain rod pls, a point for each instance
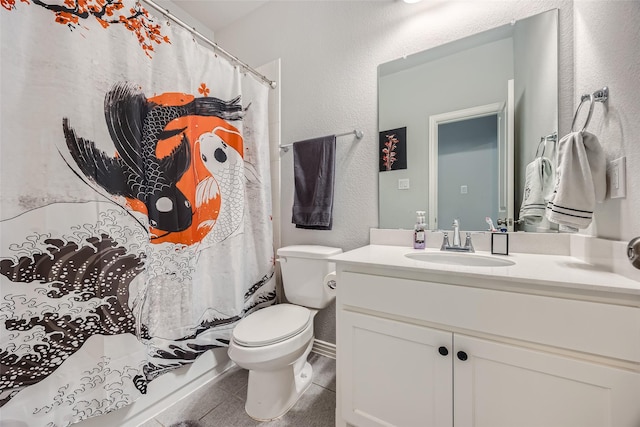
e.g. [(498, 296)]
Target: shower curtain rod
[(213, 44)]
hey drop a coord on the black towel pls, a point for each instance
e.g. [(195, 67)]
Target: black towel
[(314, 163)]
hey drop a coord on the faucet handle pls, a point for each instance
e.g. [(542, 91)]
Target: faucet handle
[(468, 244), (445, 242)]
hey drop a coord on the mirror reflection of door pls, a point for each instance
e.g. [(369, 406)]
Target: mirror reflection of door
[(468, 172), (471, 166)]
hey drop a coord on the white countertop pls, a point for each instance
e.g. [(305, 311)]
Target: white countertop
[(549, 271)]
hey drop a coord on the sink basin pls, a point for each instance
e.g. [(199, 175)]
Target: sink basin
[(453, 258)]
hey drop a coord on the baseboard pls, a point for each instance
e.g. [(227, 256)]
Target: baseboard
[(324, 348)]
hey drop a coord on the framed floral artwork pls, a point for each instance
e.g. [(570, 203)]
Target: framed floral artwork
[(393, 149)]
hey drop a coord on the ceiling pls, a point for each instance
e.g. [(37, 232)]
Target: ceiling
[(217, 14)]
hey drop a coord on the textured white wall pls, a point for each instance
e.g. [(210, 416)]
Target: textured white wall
[(175, 9), (330, 51), (607, 53)]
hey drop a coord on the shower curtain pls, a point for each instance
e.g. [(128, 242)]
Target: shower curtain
[(135, 215)]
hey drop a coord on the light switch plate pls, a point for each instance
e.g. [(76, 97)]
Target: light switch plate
[(464, 189), (403, 184), (618, 178)]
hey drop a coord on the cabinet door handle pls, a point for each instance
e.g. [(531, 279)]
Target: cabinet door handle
[(443, 351), (462, 356)]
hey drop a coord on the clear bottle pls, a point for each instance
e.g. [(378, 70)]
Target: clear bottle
[(419, 237)]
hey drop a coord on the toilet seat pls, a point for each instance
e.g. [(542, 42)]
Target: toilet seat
[(272, 325)]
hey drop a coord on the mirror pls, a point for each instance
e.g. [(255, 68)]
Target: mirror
[(507, 78)]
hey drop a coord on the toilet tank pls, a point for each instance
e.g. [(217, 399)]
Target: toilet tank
[(304, 268)]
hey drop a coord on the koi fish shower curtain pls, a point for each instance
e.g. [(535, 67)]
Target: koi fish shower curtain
[(135, 225)]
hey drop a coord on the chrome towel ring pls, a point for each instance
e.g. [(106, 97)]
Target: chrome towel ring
[(544, 139), (598, 96)]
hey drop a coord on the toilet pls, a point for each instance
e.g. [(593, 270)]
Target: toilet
[(273, 343)]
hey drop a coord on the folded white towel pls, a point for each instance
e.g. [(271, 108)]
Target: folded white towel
[(538, 188), (580, 180)]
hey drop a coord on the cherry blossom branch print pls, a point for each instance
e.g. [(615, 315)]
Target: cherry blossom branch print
[(393, 149), (388, 151), (107, 12), (11, 4)]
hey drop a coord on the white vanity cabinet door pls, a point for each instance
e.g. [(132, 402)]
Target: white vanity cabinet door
[(501, 385), (393, 373)]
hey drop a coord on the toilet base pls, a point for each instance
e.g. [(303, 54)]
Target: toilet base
[(270, 394)]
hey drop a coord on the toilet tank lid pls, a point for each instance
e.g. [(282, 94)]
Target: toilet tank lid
[(308, 251)]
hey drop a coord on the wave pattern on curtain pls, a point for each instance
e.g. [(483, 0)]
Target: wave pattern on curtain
[(135, 221)]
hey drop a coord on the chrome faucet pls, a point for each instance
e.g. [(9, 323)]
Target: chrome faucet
[(456, 233), (457, 246)]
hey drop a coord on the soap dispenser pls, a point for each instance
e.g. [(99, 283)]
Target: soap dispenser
[(419, 238)]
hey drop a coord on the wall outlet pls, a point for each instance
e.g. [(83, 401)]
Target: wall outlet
[(403, 184), (618, 178)]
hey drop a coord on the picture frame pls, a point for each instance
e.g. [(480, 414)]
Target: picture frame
[(393, 149)]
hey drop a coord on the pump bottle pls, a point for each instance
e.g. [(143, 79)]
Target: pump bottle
[(419, 238)]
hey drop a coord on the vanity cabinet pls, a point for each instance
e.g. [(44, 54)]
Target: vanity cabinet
[(420, 353), (505, 385), (395, 373)]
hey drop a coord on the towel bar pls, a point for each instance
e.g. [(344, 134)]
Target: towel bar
[(358, 133)]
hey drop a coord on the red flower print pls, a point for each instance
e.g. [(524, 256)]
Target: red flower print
[(70, 12), (203, 89), (10, 4), (388, 152)]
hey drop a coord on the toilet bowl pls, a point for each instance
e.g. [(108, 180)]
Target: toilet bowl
[(273, 343)]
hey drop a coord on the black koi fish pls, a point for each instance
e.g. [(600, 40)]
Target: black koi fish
[(136, 125)]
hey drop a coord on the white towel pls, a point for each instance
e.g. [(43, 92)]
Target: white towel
[(538, 188), (580, 180)]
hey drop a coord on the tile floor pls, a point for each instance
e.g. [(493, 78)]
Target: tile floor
[(221, 403)]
